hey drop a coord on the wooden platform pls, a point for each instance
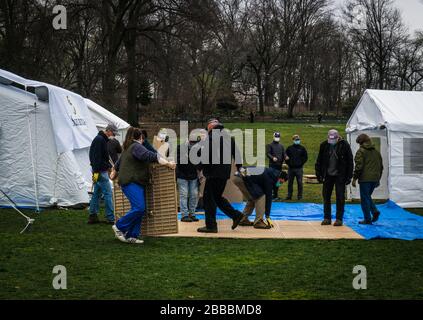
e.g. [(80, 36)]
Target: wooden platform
[(282, 230)]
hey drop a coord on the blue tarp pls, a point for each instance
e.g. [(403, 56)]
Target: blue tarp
[(394, 222)]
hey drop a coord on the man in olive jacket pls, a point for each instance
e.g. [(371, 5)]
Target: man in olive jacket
[(334, 167), (368, 171)]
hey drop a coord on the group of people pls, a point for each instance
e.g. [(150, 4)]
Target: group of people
[(130, 165)]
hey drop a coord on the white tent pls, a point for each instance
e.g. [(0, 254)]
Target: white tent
[(394, 120), (45, 135)]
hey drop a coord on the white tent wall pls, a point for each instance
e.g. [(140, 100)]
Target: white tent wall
[(406, 188), (31, 172)]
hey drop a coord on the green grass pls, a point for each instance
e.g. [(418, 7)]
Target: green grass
[(99, 267)]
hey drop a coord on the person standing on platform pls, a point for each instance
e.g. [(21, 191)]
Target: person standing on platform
[(221, 149), (296, 158), (275, 152), (334, 168)]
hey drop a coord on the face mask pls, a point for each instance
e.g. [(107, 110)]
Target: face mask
[(332, 141), (297, 142), (277, 139)]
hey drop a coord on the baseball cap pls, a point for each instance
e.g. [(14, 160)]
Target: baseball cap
[(296, 137), (333, 135), (277, 135), (113, 128)]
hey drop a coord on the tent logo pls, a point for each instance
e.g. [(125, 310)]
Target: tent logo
[(74, 114)]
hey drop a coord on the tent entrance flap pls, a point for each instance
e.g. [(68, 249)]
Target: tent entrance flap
[(379, 138)]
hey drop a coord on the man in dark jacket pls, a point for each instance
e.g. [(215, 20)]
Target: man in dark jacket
[(334, 167), (368, 171), (257, 190), (276, 154), (296, 158), (187, 178), (221, 150), (100, 163), (114, 149)]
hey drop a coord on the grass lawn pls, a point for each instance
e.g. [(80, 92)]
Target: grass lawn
[(99, 267)]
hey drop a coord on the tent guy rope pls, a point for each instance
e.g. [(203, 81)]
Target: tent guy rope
[(14, 206)]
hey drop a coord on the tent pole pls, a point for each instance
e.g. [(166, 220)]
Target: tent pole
[(34, 173)]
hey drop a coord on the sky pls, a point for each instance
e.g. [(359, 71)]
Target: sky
[(412, 12)]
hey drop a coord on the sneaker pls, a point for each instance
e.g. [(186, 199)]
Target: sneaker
[(117, 232), (237, 220), (134, 241), (93, 219), (186, 219), (206, 230), (193, 217), (326, 222), (365, 222), (376, 216), (261, 225), (338, 223), (245, 222)]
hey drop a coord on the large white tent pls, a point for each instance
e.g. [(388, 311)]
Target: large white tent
[(45, 135), (394, 120)]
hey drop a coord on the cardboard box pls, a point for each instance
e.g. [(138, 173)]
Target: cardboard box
[(162, 208)]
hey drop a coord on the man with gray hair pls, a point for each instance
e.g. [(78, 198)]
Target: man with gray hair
[(334, 168)]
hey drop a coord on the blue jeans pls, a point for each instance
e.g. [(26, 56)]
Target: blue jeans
[(367, 204), (103, 186), (131, 222), (188, 196)]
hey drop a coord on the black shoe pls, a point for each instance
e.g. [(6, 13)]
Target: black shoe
[(300, 198), (237, 220), (186, 219), (206, 230), (326, 222), (376, 216), (338, 223), (93, 219), (288, 198), (193, 218), (111, 223), (365, 222)]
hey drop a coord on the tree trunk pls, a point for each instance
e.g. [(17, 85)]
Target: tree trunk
[(130, 46)]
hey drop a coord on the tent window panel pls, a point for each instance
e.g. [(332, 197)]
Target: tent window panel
[(413, 156)]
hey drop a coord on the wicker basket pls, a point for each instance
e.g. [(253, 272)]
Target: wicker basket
[(161, 197)]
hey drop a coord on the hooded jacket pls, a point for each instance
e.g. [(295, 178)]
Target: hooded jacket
[(368, 164)]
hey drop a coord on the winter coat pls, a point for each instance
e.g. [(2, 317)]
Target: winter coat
[(368, 164), (297, 156)]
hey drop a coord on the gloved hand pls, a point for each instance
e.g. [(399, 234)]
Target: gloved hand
[(96, 176), (354, 183), (320, 179), (270, 222)]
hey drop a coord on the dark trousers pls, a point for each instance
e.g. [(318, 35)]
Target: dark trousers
[(367, 204), (213, 198), (275, 188), (295, 173), (339, 185)]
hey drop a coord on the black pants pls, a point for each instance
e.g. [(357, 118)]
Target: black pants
[(295, 173), (275, 188), (213, 198), (339, 185)]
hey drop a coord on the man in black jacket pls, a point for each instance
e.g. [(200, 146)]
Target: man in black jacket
[(296, 158), (100, 163), (334, 167), (187, 178), (276, 154), (221, 150)]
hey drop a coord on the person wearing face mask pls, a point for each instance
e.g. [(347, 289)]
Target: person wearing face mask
[(133, 172), (100, 164), (276, 154), (334, 168), (187, 178), (296, 158)]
